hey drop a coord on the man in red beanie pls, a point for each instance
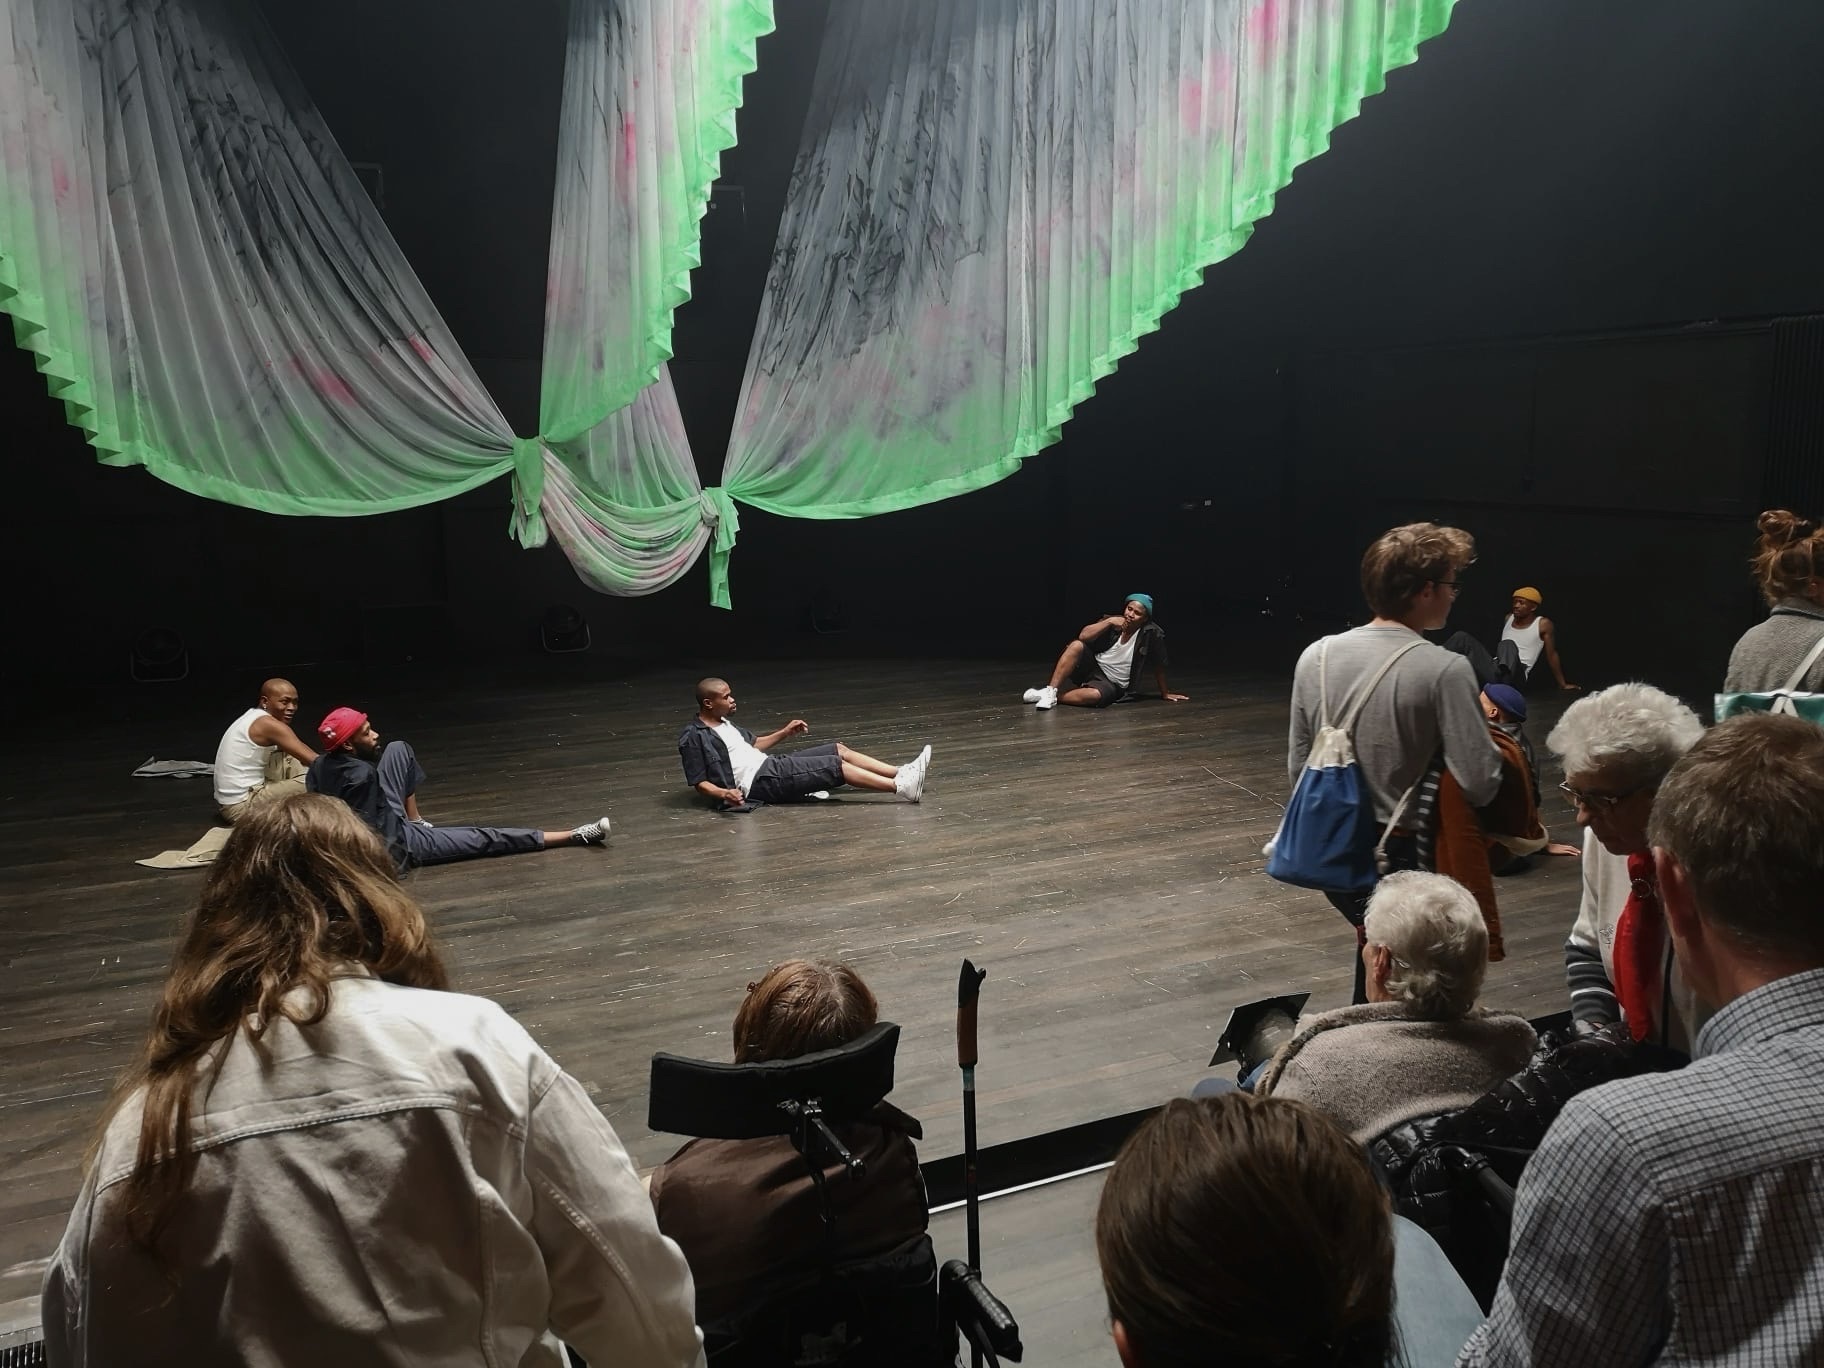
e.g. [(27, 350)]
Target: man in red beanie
[(382, 785)]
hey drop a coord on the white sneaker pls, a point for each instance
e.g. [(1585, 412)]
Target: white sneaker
[(1048, 698), (1032, 695), (909, 784), (591, 833)]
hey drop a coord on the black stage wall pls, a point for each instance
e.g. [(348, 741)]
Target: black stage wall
[(1532, 291)]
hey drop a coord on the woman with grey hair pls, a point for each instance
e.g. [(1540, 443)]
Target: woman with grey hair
[(1419, 1045), (1616, 747)]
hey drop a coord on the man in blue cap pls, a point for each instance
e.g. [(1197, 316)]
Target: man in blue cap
[(1108, 660)]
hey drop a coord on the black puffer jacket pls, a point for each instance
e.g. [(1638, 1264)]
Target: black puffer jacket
[(1433, 1164)]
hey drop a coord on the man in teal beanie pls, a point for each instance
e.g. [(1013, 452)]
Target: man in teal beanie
[(1108, 660)]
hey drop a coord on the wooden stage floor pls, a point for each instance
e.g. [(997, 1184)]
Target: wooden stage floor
[(1103, 866)]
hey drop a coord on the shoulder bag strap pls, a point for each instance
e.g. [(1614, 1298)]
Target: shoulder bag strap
[(1811, 658), (1361, 698)]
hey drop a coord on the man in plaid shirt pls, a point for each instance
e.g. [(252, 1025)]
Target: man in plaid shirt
[(1679, 1217)]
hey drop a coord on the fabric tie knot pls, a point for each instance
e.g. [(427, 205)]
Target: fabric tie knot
[(529, 491), (718, 511)]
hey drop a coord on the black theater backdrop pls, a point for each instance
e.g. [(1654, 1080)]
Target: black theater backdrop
[(1553, 286)]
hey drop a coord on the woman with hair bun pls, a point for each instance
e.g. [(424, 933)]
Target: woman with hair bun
[(1789, 567)]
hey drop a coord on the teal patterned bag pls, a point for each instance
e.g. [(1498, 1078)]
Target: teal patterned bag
[(1809, 706)]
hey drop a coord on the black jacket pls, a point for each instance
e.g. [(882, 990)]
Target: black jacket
[(1149, 654), (705, 757)]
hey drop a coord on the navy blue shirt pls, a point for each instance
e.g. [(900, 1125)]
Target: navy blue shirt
[(345, 775)]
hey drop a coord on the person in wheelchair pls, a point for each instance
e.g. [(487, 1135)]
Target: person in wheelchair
[(746, 1212)]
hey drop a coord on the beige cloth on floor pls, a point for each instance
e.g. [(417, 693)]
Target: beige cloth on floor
[(202, 853), (284, 776)]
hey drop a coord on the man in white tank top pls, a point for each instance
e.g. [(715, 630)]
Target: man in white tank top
[(260, 758), (1527, 642)]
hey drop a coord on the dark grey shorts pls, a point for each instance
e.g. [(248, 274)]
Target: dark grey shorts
[(786, 777)]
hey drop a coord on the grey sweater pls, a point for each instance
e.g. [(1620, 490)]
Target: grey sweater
[(1376, 1066), (1426, 702), (1766, 656)]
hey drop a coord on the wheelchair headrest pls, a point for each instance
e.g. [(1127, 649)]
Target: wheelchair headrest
[(741, 1101)]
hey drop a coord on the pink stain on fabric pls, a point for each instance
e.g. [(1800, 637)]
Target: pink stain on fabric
[(1263, 24), (326, 383), (627, 143), (423, 348), (1190, 104), (60, 180)]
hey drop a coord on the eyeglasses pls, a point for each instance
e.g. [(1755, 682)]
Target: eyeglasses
[(1454, 585), (1598, 802)]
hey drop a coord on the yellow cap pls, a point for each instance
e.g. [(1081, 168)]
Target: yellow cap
[(1529, 593)]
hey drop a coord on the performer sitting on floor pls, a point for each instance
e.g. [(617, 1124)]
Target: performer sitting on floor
[(1108, 660), (1516, 806), (382, 785), (260, 757), (731, 765), (1527, 641)]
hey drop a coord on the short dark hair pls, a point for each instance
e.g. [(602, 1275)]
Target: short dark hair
[(1247, 1230), (1743, 813), (1402, 560), (708, 687), (800, 1007)]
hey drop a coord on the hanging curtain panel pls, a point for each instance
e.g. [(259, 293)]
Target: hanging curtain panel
[(626, 506), (650, 93), (995, 199), (187, 254)]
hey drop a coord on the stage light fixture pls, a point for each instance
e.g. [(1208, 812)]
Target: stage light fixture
[(159, 656), (563, 630)]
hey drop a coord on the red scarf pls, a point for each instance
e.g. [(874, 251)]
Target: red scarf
[(1640, 939)]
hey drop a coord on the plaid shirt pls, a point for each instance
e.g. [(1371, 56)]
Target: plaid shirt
[(1679, 1218)]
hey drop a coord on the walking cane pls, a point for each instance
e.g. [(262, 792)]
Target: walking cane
[(984, 1321)]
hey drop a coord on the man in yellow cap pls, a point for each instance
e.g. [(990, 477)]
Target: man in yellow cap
[(1527, 641)]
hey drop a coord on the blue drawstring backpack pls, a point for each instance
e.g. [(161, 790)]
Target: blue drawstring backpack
[(1327, 839)]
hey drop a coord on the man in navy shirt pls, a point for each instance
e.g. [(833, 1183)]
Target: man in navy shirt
[(734, 767), (382, 785)]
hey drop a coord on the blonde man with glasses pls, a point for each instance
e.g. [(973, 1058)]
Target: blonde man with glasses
[(1616, 747)]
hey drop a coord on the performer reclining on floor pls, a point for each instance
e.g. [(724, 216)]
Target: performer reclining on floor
[(260, 758), (731, 765), (1108, 660), (382, 786)]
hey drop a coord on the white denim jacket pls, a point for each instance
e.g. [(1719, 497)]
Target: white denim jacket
[(410, 1181)]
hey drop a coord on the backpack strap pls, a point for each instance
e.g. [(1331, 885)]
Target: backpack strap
[(1811, 658), (1360, 700)]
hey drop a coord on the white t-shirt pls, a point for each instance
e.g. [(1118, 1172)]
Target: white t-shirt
[(743, 759), (1117, 661)]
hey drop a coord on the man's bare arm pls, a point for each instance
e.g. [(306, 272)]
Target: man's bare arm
[(269, 731), (1550, 639), (796, 727)]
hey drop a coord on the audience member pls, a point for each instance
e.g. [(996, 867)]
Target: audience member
[(1511, 821), (728, 763), (325, 1157), (260, 757), (1108, 661), (746, 1212), (1679, 1218), (1421, 741), (1419, 1045), (1250, 1232), (1789, 566), (382, 785), (1617, 745)]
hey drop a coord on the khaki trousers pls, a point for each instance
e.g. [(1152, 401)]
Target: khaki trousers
[(284, 776)]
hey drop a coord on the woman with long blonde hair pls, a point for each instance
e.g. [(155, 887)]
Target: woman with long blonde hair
[(323, 1156)]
